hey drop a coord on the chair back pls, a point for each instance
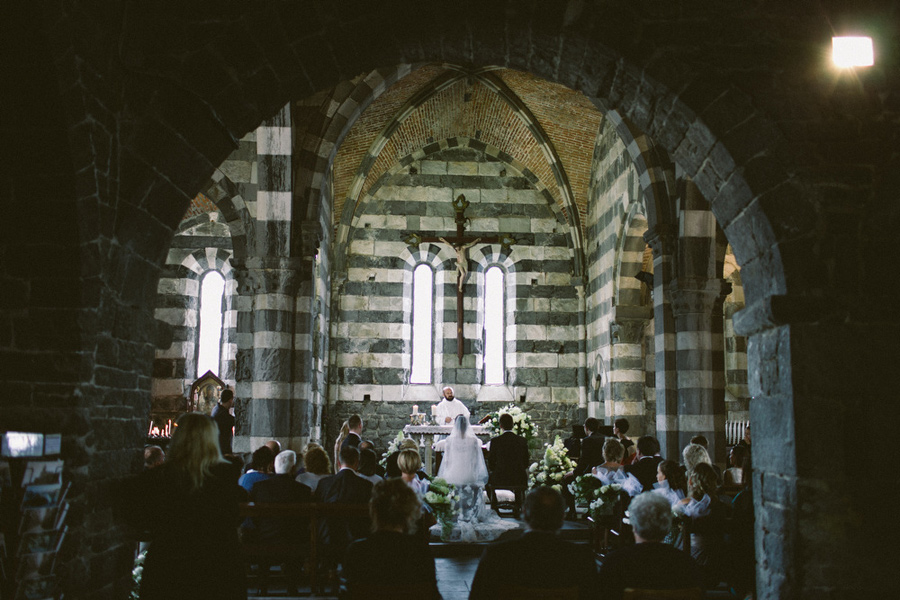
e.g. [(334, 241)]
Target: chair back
[(682, 594)]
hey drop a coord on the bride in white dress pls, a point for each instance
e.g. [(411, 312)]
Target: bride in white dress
[(463, 466)]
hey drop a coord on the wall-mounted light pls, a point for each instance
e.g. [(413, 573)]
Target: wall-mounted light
[(852, 51)]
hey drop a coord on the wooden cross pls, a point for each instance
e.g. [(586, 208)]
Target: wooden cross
[(461, 244)]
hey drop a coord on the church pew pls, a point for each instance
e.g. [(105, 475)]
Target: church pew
[(313, 511)]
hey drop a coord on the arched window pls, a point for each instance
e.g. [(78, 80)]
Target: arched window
[(212, 289), (494, 318), (422, 330)]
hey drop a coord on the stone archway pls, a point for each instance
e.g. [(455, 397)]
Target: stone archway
[(175, 120)]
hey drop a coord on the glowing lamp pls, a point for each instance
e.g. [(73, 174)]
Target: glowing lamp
[(852, 51)]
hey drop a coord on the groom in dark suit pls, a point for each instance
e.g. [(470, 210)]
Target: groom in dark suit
[(539, 559), (507, 460)]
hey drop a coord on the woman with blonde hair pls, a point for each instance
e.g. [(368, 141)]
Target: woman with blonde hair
[(342, 435), (409, 463), (189, 506)]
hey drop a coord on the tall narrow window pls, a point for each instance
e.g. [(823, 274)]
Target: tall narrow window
[(494, 317), (422, 346), (212, 289)]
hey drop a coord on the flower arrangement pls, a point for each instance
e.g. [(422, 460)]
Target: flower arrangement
[(552, 467), (393, 446), (441, 498), (600, 498), (522, 423), (136, 574)]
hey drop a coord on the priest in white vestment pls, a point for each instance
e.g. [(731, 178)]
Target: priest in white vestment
[(449, 408)]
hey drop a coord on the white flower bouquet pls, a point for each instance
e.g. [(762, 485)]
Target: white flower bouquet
[(441, 499), (552, 467), (522, 422)]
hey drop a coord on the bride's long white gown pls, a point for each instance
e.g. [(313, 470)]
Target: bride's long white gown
[(463, 466)]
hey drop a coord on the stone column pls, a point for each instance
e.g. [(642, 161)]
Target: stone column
[(270, 403), (662, 240), (700, 360), (626, 366)]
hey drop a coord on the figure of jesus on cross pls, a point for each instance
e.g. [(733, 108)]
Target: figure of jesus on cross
[(461, 244)]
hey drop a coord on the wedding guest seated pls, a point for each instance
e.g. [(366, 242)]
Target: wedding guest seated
[(317, 466), (344, 487), (613, 453), (409, 462), (620, 428), (282, 489), (612, 471), (262, 463), (671, 481), (369, 445), (391, 468), (701, 440), (646, 461), (648, 564), (367, 463), (732, 476), (693, 455), (390, 560), (708, 517), (539, 559)]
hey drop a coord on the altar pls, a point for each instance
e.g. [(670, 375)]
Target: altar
[(425, 436)]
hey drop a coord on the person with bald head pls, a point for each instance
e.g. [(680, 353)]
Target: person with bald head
[(449, 408)]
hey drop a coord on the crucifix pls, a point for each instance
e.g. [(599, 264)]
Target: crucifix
[(461, 244)]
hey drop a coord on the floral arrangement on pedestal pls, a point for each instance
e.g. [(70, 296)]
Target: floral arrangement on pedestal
[(522, 423), (600, 498), (552, 467), (393, 446), (441, 498)]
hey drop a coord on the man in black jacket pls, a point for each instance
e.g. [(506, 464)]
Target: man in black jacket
[(507, 460), (345, 487), (646, 461), (591, 456)]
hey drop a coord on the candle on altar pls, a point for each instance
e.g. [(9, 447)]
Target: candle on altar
[(433, 410), (415, 409), (150, 431)]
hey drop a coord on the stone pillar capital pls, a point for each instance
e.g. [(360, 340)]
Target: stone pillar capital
[(696, 296), (260, 275)]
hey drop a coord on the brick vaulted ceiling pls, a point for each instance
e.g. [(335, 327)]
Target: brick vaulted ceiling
[(497, 107)]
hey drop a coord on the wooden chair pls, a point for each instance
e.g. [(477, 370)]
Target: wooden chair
[(515, 592), (682, 594)]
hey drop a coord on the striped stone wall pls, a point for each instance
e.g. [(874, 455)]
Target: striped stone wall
[(615, 316), (371, 334), (202, 244)]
